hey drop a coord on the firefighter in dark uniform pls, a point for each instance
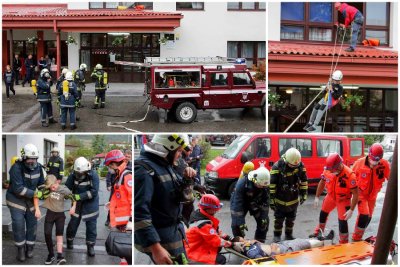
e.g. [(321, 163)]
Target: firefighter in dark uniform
[(251, 195), (79, 79), (26, 175), (55, 166), (68, 98), (288, 183), (159, 192), (44, 97), (84, 184), (100, 77)]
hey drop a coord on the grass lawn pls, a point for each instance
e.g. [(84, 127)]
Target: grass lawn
[(212, 154)]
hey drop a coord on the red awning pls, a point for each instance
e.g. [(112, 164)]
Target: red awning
[(54, 16), (309, 63)]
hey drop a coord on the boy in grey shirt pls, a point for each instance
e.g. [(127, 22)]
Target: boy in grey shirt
[(54, 204)]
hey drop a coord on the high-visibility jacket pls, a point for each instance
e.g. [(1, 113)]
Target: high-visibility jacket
[(204, 240), (370, 180), (121, 200), (55, 166), (339, 186)]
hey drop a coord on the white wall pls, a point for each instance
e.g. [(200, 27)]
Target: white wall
[(73, 52), (274, 21), (394, 26), (14, 144), (78, 5)]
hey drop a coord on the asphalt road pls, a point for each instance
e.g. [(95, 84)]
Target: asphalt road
[(78, 255), (124, 102), (307, 219)]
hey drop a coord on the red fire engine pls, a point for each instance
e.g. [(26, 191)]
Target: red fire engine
[(184, 85)]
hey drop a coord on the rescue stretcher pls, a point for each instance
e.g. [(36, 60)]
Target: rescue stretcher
[(350, 253)]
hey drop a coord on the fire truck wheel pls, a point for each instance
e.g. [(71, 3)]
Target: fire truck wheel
[(186, 112), (263, 110)]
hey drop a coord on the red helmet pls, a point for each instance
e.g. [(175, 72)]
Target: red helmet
[(333, 162), (210, 201), (375, 152), (114, 156)]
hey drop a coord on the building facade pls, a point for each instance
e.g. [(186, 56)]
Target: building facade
[(103, 32), (300, 59)]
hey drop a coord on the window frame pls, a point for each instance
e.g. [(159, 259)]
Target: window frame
[(189, 9), (118, 4), (239, 45), (296, 138), (240, 8), (47, 144)]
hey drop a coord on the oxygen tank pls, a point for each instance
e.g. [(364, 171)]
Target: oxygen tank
[(65, 87), (105, 78), (34, 88)]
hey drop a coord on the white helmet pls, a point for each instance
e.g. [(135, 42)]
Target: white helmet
[(83, 66), (64, 71), (44, 72), (81, 165), (68, 76), (55, 149), (337, 75), (173, 141), (98, 67), (292, 156), (260, 177), (29, 151)]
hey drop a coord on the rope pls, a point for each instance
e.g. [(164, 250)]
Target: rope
[(118, 124)]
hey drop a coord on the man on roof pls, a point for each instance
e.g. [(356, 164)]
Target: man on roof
[(352, 17)]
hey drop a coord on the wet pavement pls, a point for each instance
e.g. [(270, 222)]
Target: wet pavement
[(78, 255), (307, 219), (124, 102)]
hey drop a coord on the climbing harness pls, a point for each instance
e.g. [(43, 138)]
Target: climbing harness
[(331, 71)]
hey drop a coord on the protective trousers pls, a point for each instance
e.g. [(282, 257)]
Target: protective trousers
[(281, 217), (72, 116), (91, 227), (355, 29), (262, 221), (100, 98), (318, 111), (365, 210), (21, 219), (342, 206), (46, 111)]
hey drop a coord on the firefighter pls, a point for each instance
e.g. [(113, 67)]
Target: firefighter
[(68, 97), (204, 238), (194, 159), (336, 89), (44, 97), (84, 184), (159, 192), (288, 187), (342, 193), (251, 195), (354, 18), (79, 79), (100, 78), (26, 176), (120, 205), (371, 172), (55, 166), (61, 78)]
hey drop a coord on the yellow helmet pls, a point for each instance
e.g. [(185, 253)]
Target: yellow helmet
[(13, 160)]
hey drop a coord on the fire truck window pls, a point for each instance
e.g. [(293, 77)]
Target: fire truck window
[(302, 145), (263, 147), (177, 79), (327, 147), (356, 148), (219, 79), (241, 79)]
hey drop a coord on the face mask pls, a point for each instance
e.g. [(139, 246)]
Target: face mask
[(80, 176), (31, 165)]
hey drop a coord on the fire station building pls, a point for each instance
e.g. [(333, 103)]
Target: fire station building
[(300, 55), (105, 32)]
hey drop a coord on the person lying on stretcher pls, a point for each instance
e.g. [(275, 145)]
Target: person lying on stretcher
[(253, 249), (334, 91)]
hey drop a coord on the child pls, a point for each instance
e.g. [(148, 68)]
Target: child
[(9, 77), (55, 215)]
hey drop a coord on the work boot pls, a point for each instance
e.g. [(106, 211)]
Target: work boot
[(29, 251), (63, 127), (308, 125), (320, 236), (330, 236), (70, 244), (45, 124), (311, 129), (102, 105), (52, 120), (90, 250), (95, 107), (289, 236), (350, 49), (277, 239), (73, 127), (21, 253)]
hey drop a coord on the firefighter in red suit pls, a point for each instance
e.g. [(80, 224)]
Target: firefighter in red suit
[(371, 172), (204, 239), (341, 185)]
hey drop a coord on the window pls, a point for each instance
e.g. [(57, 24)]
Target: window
[(321, 12), (327, 147), (376, 14), (302, 145), (259, 148), (253, 52), (114, 5), (292, 11), (189, 5), (177, 79), (356, 148), (219, 79), (247, 6), (48, 146), (241, 79)]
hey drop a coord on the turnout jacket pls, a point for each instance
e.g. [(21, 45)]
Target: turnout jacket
[(69, 100), (43, 90), (55, 166)]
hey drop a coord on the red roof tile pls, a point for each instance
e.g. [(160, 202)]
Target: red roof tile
[(290, 48), (54, 10)]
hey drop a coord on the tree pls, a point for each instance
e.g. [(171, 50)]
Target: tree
[(99, 144), (369, 139), (73, 140)]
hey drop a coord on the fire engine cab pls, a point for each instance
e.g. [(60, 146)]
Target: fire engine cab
[(184, 85)]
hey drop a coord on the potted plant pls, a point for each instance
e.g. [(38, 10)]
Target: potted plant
[(32, 39), (350, 100), (71, 40), (274, 101), (118, 41), (260, 70), (163, 40)]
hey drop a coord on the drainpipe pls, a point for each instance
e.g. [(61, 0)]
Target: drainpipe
[(11, 49), (388, 219)]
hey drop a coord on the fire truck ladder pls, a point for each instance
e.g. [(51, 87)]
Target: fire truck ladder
[(332, 71)]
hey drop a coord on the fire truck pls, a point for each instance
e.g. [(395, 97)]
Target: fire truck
[(182, 86)]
